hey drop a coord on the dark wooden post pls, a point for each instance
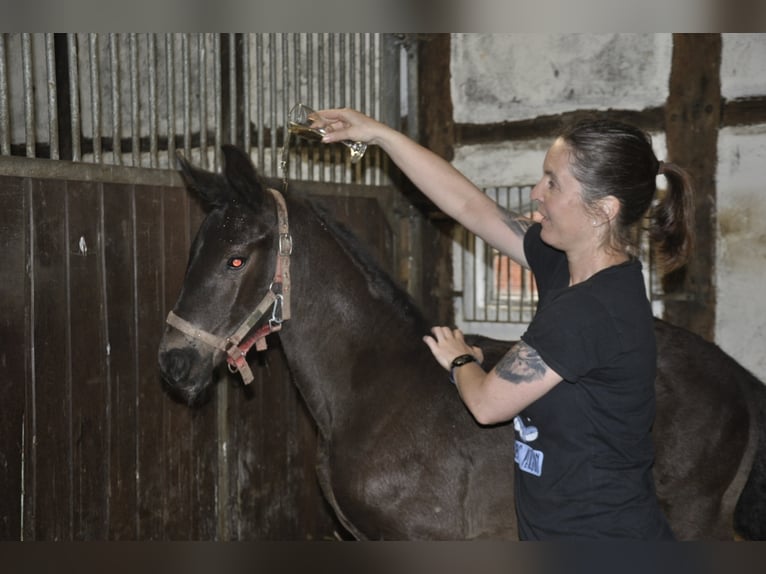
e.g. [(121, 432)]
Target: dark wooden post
[(436, 132), (692, 118)]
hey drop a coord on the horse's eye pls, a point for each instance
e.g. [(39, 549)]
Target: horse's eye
[(236, 262)]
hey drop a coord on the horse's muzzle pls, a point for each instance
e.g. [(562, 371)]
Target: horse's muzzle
[(176, 367)]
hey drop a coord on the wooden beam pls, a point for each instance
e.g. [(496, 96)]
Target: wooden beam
[(436, 132), (692, 120), (437, 126), (548, 127), (737, 112)]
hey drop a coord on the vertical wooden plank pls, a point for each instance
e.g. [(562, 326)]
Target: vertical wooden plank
[(52, 428), (90, 423), (177, 434), (152, 452), (14, 217), (189, 435), (187, 215), (274, 489), (119, 282), (262, 489)]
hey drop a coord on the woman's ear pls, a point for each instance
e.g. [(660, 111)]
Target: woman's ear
[(610, 207)]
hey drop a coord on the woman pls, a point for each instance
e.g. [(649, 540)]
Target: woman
[(579, 385)]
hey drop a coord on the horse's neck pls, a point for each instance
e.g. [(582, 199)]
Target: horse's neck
[(338, 327)]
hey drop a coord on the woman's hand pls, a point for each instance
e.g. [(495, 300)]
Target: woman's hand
[(347, 124), (446, 344)]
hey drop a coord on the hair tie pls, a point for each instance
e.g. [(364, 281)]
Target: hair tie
[(660, 168)]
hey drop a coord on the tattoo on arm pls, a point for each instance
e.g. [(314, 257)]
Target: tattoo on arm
[(521, 364), (515, 222)]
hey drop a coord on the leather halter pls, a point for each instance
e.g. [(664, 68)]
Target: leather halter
[(277, 298)]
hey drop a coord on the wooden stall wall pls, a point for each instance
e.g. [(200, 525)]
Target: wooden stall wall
[(91, 448)]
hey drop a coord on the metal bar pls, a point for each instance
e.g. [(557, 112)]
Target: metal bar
[(135, 102), (5, 116), (321, 94), (170, 75), (342, 100), (202, 71), (95, 96), (233, 88), (260, 96), (309, 75), (53, 117), (185, 74), (285, 96), (272, 97), (29, 94), (114, 56), (152, 57), (218, 103), (246, 92), (297, 69), (376, 53), (74, 90)]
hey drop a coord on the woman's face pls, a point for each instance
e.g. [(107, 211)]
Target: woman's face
[(566, 223)]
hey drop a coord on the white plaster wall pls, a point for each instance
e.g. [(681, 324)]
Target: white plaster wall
[(743, 65), (741, 214), (741, 246), (497, 77)]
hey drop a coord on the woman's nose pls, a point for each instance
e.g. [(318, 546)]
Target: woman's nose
[(535, 194)]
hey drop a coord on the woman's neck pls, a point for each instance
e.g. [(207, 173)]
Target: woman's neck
[(585, 266)]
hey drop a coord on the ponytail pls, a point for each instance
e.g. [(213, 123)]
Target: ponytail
[(672, 218)]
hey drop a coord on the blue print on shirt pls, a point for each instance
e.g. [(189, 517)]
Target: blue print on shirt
[(529, 459)]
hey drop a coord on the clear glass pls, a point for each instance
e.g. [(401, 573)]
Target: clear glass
[(300, 122)]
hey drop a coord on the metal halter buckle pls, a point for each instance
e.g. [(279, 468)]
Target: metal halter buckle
[(285, 244), (274, 320)]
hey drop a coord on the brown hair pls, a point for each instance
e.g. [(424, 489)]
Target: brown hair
[(613, 158)]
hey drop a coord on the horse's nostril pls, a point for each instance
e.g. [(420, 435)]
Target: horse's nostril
[(175, 365)]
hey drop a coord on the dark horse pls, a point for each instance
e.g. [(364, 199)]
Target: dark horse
[(400, 456)]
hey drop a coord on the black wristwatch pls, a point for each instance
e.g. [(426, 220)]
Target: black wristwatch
[(459, 362)]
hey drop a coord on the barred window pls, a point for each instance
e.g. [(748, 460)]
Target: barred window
[(494, 295)]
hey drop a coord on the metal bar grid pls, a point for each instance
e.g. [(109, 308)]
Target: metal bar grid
[(490, 288), (133, 99)]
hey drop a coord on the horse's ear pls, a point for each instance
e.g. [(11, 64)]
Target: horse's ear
[(208, 186), (241, 175)]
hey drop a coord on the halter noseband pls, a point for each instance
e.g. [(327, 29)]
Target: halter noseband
[(277, 297)]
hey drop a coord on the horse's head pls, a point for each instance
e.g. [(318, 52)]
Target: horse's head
[(231, 272)]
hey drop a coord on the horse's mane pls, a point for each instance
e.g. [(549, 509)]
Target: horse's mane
[(380, 283)]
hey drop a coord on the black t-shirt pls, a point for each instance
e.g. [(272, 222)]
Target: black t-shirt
[(588, 471)]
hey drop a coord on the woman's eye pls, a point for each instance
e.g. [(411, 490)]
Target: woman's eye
[(236, 262)]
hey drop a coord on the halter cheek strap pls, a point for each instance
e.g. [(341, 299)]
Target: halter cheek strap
[(277, 298)]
